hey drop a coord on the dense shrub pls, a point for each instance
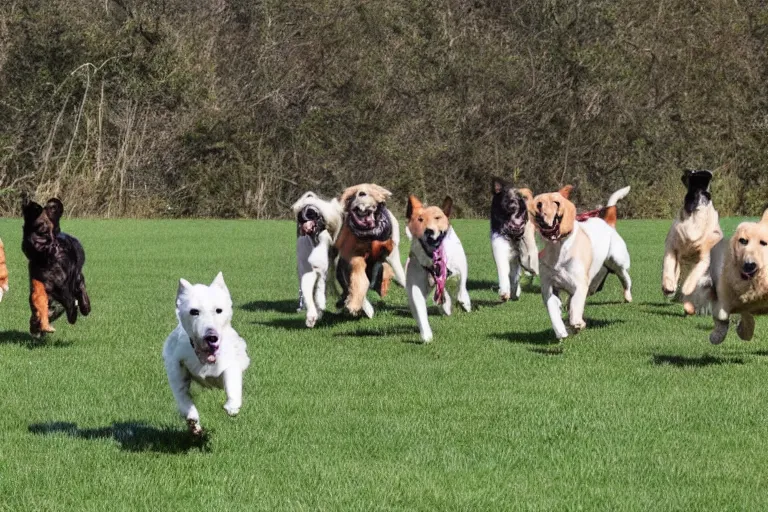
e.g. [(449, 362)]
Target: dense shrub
[(234, 108)]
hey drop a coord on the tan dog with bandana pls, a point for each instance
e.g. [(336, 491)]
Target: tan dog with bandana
[(436, 254)]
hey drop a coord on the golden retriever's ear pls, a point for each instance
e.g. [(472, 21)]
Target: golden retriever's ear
[(413, 205), (764, 219), (567, 213), (531, 204), (526, 193), (348, 192), (566, 191), (447, 206), (380, 194)]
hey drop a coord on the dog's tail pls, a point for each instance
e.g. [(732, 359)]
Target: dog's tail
[(609, 213)]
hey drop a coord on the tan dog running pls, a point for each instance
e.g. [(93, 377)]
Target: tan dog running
[(436, 255), (693, 234), (368, 245), (577, 256), (739, 269)]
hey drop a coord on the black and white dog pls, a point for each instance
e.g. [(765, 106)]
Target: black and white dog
[(512, 237), (318, 223)]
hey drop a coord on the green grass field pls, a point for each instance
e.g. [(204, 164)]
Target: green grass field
[(638, 412)]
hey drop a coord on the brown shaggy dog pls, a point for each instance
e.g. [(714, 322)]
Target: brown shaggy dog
[(742, 283), (368, 246), (693, 234)]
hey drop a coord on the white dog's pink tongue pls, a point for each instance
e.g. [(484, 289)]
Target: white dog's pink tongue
[(211, 358)]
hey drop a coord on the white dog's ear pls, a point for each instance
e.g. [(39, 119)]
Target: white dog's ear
[(218, 282), (183, 287)]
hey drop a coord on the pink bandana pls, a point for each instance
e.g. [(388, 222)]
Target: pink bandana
[(439, 271)]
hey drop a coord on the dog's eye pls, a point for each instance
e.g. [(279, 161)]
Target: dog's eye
[(763, 243), (194, 312), (421, 219), (557, 203), (538, 206), (219, 311), (361, 194), (438, 218), (743, 241)]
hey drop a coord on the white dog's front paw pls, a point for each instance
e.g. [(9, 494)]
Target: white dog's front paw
[(426, 337), (194, 427), (561, 333), (578, 325), (232, 408), (312, 319)]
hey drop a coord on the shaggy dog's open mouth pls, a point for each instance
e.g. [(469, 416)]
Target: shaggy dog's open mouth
[(364, 218), (549, 232), (370, 223)]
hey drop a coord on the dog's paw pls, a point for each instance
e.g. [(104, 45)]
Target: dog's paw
[(504, 297), (368, 309), (668, 291), (194, 427), (561, 334), (689, 308), (627, 296), (312, 320), (717, 336), (578, 326), (232, 409)]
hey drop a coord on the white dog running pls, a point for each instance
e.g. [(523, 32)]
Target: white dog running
[(318, 226), (205, 348)]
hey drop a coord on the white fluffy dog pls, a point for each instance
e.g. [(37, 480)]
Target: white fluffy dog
[(436, 253), (318, 225), (205, 348)]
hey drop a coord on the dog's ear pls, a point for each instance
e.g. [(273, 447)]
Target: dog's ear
[(566, 191), (526, 193), (184, 286), (764, 218), (447, 206), (218, 282), (412, 205), (348, 193), (686, 176), (567, 213), (298, 205), (54, 208), (497, 185)]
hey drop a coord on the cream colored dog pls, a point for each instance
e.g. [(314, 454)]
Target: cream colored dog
[(318, 223), (739, 269), (693, 234), (436, 254), (577, 256)]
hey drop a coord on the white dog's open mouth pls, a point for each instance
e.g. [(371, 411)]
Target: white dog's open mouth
[(308, 227), (206, 351)]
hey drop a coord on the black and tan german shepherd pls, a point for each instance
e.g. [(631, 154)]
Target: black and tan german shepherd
[(56, 259)]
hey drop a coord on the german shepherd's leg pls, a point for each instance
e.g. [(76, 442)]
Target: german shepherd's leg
[(38, 303), (358, 285)]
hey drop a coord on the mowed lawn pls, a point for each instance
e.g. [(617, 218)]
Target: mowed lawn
[(638, 412)]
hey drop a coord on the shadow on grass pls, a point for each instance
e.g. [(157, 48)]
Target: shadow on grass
[(24, 339), (482, 284), (379, 333), (693, 361), (552, 351), (132, 436), (545, 337), (278, 306)]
